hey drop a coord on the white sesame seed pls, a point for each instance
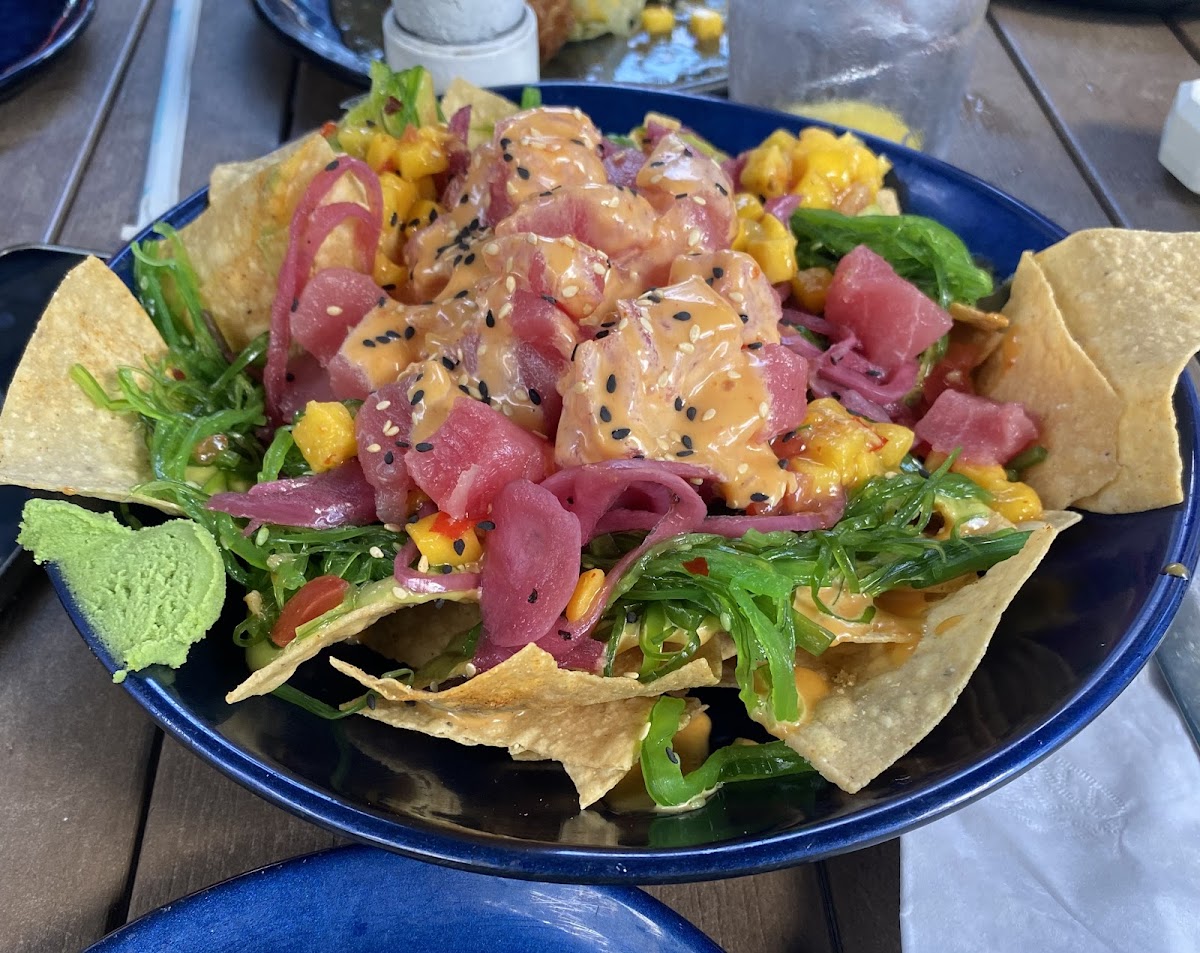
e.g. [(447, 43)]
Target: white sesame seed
[(694, 237), (469, 669), (505, 309), (568, 241), (481, 350), (687, 347), (664, 378), (598, 268), (570, 291), (531, 238), (735, 376), (699, 200), (391, 430), (383, 405), (491, 248), (696, 481), (510, 284), (764, 411), (376, 552), (401, 593), (392, 527), (333, 310), (694, 333), (709, 414), (736, 297), (656, 178), (580, 387), (374, 448), (742, 468)]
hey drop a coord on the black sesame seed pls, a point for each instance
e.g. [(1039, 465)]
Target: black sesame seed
[(461, 294), (470, 259), (446, 569), (610, 385), (630, 616), (620, 433), (465, 389), (449, 363), (534, 397), (389, 458), (874, 372), (657, 164), (671, 755), (686, 441), (578, 142), (457, 260), (332, 165), (688, 153), (679, 403), (394, 220), (505, 143), (508, 157), (532, 597), (417, 397), (564, 634), (550, 298), (289, 377), (486, 525), (382, 301), (601, 335), (295, 304), (390, 286), (433, 213), (639, 456), (682, 316), (490, 320), (782, 464), (382, 339), (409, 332), (484, 395), (754, 345), (368, 342), (523, 172), (413, 223), (605, 414), (438, 603), (691, 413), (718, 272), (745, 318), (681, 195), (473, 225), (423, 447), (402, 444), (790, 435), (372, 700), (393, 334), (721, 188), (759, 497), (684, 453), (460, 546)]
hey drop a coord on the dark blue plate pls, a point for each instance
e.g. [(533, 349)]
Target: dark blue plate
[(28, 276), (345, 35), (34, 33), (1073, 639), (357, 898)]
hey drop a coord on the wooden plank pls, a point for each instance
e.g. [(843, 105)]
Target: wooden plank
[(777, 912), (236, 63), (47, 128), (865, 886), (1108, 83), (75, 753), (1004, 137), (203, 828), (318, 98)]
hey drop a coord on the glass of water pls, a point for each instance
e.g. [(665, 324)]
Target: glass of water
[(895, 68)]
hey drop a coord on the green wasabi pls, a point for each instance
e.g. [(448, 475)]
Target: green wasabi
[(150, 594)]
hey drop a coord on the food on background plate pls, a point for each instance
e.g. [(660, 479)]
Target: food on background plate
[(566, 426)]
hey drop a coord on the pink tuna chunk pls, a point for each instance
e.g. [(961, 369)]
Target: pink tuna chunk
[(986, 430)]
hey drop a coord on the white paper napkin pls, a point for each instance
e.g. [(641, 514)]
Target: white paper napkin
[(1096, 848)]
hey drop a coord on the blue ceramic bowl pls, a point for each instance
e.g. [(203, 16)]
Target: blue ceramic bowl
[(357, 898), (1073, 639), (35, 33)]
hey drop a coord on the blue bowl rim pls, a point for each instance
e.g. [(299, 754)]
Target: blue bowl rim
[(738, 857), (78, 17)]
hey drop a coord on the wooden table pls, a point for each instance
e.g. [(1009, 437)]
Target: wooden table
[(102, 817)]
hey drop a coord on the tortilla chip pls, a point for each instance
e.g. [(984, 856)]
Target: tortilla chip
[(1130, 299), (238, 244), (420, 633), (373, 602), (487, 109), (1040, 365), (532, 679), (52, 437), (596, 748), (881, 711)]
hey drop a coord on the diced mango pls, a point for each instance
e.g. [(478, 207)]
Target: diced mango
[(1013, 500), (706, 25), (658, 20), (420, 158), (325, 435), (776, 257), (586, 590), (445, 542), (810, 286), (387, 273), (422, 213), (399, 197), (381, 152), (767, 171), (748, 206), (856, 449), (747, 231)]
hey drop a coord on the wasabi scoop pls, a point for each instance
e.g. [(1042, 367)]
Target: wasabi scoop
[(149, 594)]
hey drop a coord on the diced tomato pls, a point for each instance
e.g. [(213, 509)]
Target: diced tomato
[(952, 372), (314, 598), (697, 566), (449, 527)]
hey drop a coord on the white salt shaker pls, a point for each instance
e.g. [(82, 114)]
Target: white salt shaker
[(1179, 151), (488, 42)]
